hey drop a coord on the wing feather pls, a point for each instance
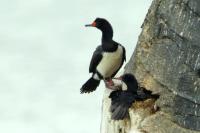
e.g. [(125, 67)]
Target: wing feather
[(96, 58)]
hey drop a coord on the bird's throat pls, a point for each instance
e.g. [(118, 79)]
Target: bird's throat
[(107, 33)]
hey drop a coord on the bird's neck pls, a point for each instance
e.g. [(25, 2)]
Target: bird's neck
[(132, 88), (107, 42), (107, 34)]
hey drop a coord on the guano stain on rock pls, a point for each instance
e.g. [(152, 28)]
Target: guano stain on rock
[(167, 61)]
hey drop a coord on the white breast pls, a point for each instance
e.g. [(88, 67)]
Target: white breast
[(110, 62)]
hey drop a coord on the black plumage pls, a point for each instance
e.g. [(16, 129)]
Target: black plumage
[(121, 100), (104, 64), (96, 58)]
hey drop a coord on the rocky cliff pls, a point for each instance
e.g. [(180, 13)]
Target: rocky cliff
[(167, 61)]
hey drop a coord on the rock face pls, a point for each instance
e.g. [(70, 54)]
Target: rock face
[(167, 61)]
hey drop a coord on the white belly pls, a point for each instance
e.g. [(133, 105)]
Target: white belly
[(110, 62)]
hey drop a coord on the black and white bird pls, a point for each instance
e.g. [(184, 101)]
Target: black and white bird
[(127, 93), (107, 59)]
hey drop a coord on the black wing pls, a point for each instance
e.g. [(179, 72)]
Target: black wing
[(96, 58), (121, 101), (144, 94), (124, 54)]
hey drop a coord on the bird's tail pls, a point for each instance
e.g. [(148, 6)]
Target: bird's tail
[(90, 85)]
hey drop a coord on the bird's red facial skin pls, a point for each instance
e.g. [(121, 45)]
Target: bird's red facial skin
[(110, 82), (94, 24)]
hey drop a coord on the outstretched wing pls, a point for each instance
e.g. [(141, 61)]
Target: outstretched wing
[(121, 101), (96, 58), (144, 94)]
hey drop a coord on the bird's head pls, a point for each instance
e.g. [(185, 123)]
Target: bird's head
[(130, 82), (100, 23)]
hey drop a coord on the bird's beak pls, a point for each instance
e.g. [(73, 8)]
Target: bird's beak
[(118, 78), (91, 25)]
